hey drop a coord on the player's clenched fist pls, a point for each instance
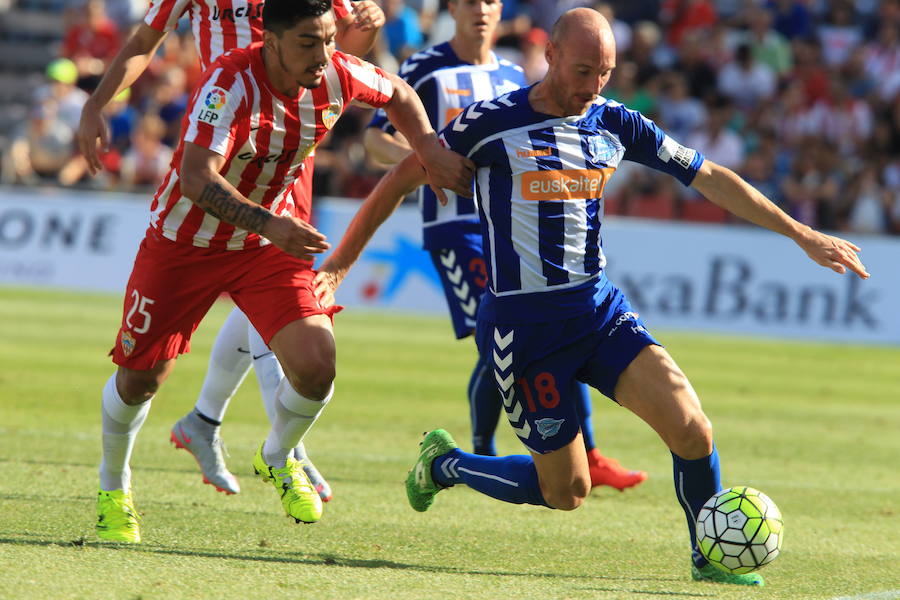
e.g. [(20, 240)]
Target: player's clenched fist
[(367, 15), (295, 236)]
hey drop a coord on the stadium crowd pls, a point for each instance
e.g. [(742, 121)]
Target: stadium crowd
[(801, 97)]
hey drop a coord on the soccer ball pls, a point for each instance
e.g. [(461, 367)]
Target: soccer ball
[(739, 530)]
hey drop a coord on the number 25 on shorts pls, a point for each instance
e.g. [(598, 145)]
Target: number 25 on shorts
[(139, 305), (542, 388)]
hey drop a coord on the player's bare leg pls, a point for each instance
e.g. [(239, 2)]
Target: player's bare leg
[(306, 350), (655, 389), (564, 476), (125, 404)]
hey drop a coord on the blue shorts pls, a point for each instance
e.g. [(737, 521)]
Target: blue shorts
[(463, 276), (536, 366)]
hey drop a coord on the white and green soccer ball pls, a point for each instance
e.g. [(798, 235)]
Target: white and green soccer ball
[(739, 530)]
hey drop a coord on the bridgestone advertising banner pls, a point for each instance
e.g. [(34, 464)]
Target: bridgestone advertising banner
[(728, 279)]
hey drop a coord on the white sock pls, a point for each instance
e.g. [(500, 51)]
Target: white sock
[(228, 365), (268, 371), (121, 423), (294, 415)]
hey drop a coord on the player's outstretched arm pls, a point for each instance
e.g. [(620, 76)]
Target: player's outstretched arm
[(124, 70), (386, 148), (201, 182), (445, 168), (724, 187), (358, 31), (377, 207)]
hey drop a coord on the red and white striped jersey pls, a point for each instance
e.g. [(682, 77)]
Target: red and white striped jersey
[(264, 136), (219, 25)]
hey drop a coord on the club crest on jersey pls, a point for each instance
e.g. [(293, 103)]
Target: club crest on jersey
[(548, 427), (330, 116), (214, 101), (128, 342), (603, 149)]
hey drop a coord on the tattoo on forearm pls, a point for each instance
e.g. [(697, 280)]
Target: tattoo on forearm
[(220, 203)]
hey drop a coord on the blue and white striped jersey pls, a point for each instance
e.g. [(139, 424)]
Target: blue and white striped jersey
[(446, 85), (539, 186)]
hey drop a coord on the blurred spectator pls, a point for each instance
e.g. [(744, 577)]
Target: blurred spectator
[(870, 212), (882, 57), (43, 150), (92, 40), (693, 66), (840, 35), (685, 16), (679, 112), (68, 100), (169, 101), (715, 140), (791, 18), (401, 29), (623, 87), (122, 118), (533, 61), (147, 161), (746, 81), (842, 120), (809, 70), (768, 46)]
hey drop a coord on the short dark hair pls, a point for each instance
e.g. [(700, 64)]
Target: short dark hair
[(280, 15)]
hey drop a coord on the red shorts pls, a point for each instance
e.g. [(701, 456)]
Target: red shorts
[(173, 286)]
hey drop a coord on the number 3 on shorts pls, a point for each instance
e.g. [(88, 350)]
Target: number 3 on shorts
[(139, 306)]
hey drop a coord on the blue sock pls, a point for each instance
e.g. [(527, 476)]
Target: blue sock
[(484, 408), (696, 481), (582, 395), (509, 478)]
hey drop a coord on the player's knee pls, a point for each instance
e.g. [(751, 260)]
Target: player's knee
[(568, 497), (136, 387), (694, 439), (314, 379)]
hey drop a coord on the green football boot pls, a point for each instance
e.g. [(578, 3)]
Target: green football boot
[(420, 485), (714, 575), (299, 498), (117, 519)]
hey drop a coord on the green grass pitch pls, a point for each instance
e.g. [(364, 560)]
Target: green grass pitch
[(816, 427)]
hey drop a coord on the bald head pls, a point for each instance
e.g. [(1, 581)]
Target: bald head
[(581, 56), (581, 26)]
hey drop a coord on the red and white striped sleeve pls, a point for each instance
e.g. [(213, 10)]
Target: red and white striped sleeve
[(363, 82), (342, 8), (163, 15), (216, 111)]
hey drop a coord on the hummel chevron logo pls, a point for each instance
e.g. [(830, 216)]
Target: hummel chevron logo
[(503, 342), (507, 400), (471, 113), (524, 431), (448, 259), (455, 276), (459, 126), (515, 413), (503, 382), (505, 101), (502, 363), (449, 469), (489, 105), (462, 292), (470, 307)]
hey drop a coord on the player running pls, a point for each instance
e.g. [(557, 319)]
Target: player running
[(219, 26), (224, 220), (449, 77), (551, 317)]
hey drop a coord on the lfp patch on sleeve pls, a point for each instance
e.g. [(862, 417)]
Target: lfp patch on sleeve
[(212, 105), (672, 150)]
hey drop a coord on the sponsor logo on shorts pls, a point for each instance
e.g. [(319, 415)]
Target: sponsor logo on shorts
[(548, 427), (624, 317), (128, 342), (565, 184)]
